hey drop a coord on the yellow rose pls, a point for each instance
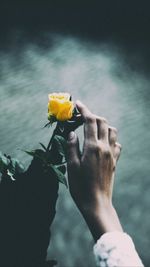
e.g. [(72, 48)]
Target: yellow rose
[(60, 106)]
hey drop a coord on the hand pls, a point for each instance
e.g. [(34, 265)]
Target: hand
[(91, 174)]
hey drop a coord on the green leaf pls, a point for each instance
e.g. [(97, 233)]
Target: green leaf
[(39, 154), (4, 162), (44, 147), (60, 176), (62, 168), (11, 166), (47, 125), (15, 166), (52, 119), (60, 143), (31, 153), (4, 159)]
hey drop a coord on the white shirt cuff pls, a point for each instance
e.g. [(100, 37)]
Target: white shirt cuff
[(116, 249)]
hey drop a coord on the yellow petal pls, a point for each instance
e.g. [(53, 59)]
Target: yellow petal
[(60, 106), (65, 111), (53, 107), (60, 96)]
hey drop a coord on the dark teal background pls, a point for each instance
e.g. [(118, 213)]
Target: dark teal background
[(109, 73)]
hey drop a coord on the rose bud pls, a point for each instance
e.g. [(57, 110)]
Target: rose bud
[(60, 107)]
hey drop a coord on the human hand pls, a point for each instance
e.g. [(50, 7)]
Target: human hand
[(91, 174)]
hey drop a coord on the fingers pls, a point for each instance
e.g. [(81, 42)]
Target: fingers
[(117, 150), (102, 129), (73, 151), (97, 128), (116, 147), (90, 125), (112, 135)]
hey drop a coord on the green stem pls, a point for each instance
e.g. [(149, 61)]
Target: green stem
[(50, 142)]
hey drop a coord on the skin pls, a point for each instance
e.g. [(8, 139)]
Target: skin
[(91, 173)]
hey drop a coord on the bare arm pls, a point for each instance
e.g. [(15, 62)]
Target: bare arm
[(91, 179), (91, 174)]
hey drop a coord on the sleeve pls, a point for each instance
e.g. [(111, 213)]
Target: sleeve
[(115, 249)]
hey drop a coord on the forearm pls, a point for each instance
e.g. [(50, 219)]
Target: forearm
[(113, 247), (102, 220)]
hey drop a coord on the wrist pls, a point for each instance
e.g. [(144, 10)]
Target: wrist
[(102, 219)]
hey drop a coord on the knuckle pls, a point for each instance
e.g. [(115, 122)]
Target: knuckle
[(72, 142), (112, 135), (90, 118), (96, 148), (113, 130), (102, 120), (105, 150), (93, 147), (118, 149), (107, 153), (118, 145)]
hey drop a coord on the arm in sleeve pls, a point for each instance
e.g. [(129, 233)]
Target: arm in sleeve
[(115, 249)]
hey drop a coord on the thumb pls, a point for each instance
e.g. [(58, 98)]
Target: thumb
[(73, 151)]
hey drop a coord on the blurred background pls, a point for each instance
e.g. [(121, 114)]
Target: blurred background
[(99, 52)]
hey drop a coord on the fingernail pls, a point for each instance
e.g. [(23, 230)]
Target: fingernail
[(71, 136)]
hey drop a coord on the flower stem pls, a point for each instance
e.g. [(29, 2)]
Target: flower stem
[(50, 142)]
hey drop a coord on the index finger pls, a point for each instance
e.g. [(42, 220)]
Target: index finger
[(90, 125)]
